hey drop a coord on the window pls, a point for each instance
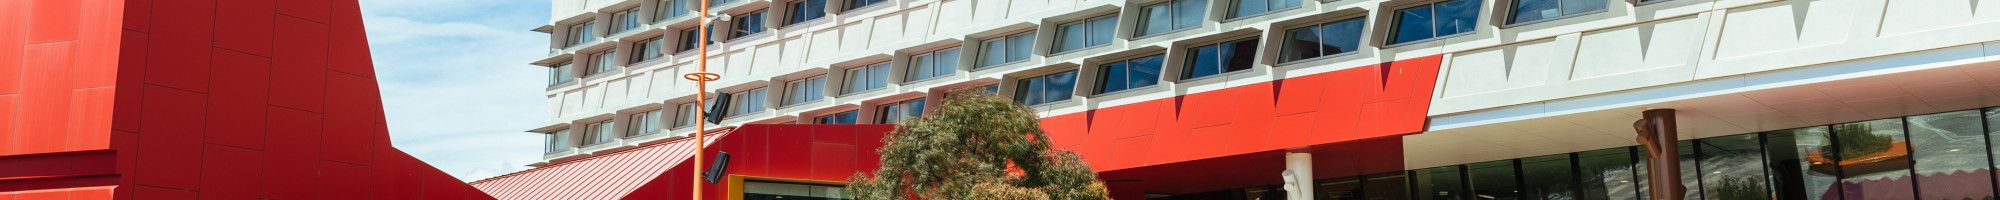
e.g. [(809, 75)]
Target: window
[(689, 37), (746, 102), (1792, 154), (561, 73), (1087, 33), (1494, 179), (1007, 49), (1333, 38), (1170, 16), (1046, 88), (838, 118), (1214, 59), (747, 24), (1548, 177), (558, 141), (899, 111), (649, 50), (1245, 8), (933, 64), (643, 123), (1864, 142), (866, 78), (988, 89), (1945, 143), (1438, 183), (603, 62), (625, 20), (805, 90), (686, 115), (858, 4), (581, 33), (805, 10), (1608, 174), (670, 9), (1434, 20), (759, 190), (1128, 74), (714, 3), (1526, 11), (597, 133), (1732, 167)]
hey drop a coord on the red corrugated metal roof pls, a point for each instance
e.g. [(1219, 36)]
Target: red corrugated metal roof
[(603, 176)]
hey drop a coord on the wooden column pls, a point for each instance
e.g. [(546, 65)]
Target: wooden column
[(1663, 170)]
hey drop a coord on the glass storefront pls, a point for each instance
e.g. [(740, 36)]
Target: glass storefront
[(1947, 156)]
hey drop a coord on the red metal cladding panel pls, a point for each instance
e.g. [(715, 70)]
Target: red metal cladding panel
[(293, 153), (237, 101), (787, 149), (344, 181), (830, 161), (131, 74), (1065, 128), (178, 50), (54, 21), (350, 41), (244, 25), (172, 131), (231, 173), (314, 10), (1301, 94), (89, 124), (8, 108), (45, 97), (153, 193), (350, 123), (298, 72)]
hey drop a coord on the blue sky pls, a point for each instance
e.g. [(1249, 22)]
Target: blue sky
[(455, 80)]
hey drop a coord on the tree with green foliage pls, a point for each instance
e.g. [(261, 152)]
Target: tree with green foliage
[(975, 146)]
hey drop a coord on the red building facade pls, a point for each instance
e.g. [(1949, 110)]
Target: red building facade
[(208, 99)]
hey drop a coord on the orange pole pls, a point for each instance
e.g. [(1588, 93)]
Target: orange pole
[(701, 79)]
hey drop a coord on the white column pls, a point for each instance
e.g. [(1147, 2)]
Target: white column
[(1299, 165)]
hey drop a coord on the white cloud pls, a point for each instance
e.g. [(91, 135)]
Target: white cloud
[(455, 80)]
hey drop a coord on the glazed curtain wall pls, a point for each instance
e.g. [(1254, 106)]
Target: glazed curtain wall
[(1935, 156)]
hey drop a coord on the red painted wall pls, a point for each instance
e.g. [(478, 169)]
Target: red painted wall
[(808, 152), (1373, 101), (226, 99)]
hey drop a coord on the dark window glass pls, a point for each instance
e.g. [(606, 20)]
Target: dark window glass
[(1993, 133), (1874, 158), (839, 118), (1322, 40), (1220, 58), (1046, 88), (562, 73), (748, 24), (1003, 50), (759, 190), (1608, 174), (1392, 186), (1439, 19), (856, 4), (1338, 189), (1087, 33), (1170, 16), (805, 90), (1439, 183), (933, 64), (1690, 169), (1494, 180), (1732, 168), (1244, 8), (670, 9), (1537, 10), (806, 10), (603, 62), (899, 111), (649, 49), (688, 38), (1796, 165), (1128, 74), (582, 33), (1951, 162), (1547, 177)]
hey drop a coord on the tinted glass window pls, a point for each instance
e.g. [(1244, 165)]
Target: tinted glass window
[(866, 78), (1547, 177), (1322, 40), (1003, 50), (1791, 155), (1608, 174), (758, 190), (933, 64), (1204, 61), (1494, 179), (899, 111), (1442, 183), (1435, 20), (1732, 168), (1046, 88), (1170, 16), (1391, 186), (1537, 10), (806, 10), (1949, 147), (1244, 8), (747, 102), (1128, 74), (561, 73), (839, 118), (855, 4), (1339, 189), (808, 90), (1869, 152), (1088, 33), (748, 24), (670, 9)]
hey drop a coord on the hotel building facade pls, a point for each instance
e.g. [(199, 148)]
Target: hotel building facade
[(1362, 99)]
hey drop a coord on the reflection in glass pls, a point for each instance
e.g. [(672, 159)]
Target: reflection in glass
[(1690, 169), (1950, 161), (1438, 183), (1607, 174), (1873, 159), (1390, 186), (1494, 180), (1547, 177), (1793, 172), (1732, 168)]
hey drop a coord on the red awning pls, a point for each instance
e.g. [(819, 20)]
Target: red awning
[(603, 176)]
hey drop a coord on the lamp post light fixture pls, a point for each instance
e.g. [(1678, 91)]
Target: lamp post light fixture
[(701, 79)]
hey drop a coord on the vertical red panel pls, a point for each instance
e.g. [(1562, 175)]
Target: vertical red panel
[(172, 131), (1065, 128), (294, 154), (138, 15), (350, 121), (237, 100), (8, 106), (45, 98), (797, 145), (298, 72), (315, 10), (1301, 94), (231, 173), (153, 193), (244, 25), (830, 162), (89, 124), (54, 21), (350, 41), (131, 73), (178, 50)]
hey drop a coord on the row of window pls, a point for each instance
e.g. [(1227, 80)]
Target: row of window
[(1934, 156), (741, 104), (749, 23)]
